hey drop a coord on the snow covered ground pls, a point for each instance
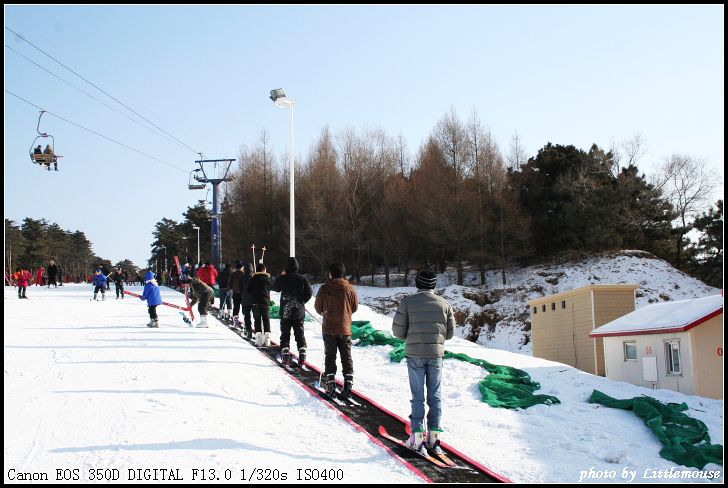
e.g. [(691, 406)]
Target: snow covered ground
[(88, 386), (93, 388)]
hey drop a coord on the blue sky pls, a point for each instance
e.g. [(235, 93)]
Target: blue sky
[(567, 75)]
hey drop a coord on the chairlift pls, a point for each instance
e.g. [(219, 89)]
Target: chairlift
[(37, 155), (193, 177)]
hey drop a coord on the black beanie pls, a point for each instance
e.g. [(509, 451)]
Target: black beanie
[(426, 280)]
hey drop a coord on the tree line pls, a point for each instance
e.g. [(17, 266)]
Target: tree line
[(461, 200), (35, 242)]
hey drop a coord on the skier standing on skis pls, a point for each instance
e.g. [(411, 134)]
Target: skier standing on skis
[(119, 279), (259, 290), (295, 292), (22, 278), (52, 274), (336, 301), (39, 278), (100, 281), (425, 321), (153, 297), (202, 293), (224, 282)]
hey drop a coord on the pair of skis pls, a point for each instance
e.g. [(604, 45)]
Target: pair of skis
[(439, 460), (336, 397)]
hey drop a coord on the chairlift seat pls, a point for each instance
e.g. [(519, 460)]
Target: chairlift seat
[(200, 186)]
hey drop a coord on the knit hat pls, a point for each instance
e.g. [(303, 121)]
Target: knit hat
[(426, 280), (149, 276), (238, 264)]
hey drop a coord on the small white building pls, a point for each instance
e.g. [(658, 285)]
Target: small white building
[(674, 345)]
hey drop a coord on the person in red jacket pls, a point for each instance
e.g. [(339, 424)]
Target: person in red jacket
[(22, 278), (208, 275), (39, 276)]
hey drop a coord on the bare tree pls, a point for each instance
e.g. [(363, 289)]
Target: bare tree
[(687, 183), (516, 154), (452, 139), (627, 153)]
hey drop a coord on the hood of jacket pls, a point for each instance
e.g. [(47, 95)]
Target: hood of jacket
[(337, 283), (291, 265)]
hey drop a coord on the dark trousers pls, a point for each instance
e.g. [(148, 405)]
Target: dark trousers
[(97, 288), (261, 313), (119, 289), (342, 343), (52, 281), (237, 297), (204, 303), (247, 313), (21, 291), (297, 326), (153, 312), (225, 299)]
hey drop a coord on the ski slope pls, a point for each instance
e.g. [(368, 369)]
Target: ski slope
[(94, 388)]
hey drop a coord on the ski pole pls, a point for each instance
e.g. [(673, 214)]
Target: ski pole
[(263, 255), (321, 371), (254, 266)]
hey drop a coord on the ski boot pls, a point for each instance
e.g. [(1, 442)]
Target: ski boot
[(150, 323), (330, 385), (416, 440), (302, 356), (348, 385), (203, 321), (155, 323), (248, 333), (433, 441), (285, 356), (258, 339), (103, 297), (266, 339), (94, 299), (236, 322)]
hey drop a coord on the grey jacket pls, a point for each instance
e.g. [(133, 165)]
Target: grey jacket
[(425, 321)]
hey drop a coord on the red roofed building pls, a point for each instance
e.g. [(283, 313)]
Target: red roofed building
[(674, 345)]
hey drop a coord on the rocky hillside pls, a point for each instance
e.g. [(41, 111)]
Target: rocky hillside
[(498, 316)]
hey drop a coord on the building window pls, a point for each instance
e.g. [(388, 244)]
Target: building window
[(630, 351), (553, 305), (563, 303), (543, 307), (535, 310), (672, 354)]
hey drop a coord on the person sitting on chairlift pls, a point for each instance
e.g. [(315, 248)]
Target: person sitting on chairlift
[(53, 157)]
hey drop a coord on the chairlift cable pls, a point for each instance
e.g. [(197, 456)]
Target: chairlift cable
[(96, 133), (93, 97), (101, 90)]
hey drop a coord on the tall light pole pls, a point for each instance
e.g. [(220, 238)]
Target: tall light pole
[(198, 242), (281, 100)]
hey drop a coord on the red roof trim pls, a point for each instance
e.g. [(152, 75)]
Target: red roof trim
[(671, 330)]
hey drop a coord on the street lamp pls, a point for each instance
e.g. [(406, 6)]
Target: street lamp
[(198, 242), (281, 100)]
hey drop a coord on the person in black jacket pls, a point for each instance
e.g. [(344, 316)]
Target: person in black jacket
[(119, 280), (223, 280), (295, 292), (259, 290), (52, 274)]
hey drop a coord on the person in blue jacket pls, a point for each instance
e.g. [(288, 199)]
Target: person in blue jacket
[(99, 282), (153, 297)]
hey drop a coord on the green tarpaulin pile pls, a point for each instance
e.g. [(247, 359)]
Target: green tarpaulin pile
[(504, 387), (686, 439)]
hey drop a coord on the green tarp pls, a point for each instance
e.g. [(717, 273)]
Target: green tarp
[(686, 439), (504, 387)]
